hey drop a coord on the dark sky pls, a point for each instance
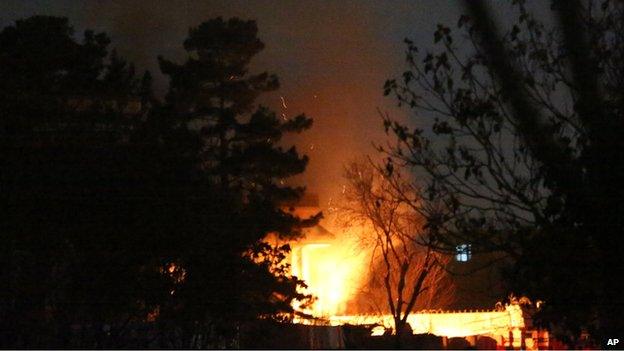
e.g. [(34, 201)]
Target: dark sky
[(332, 57)]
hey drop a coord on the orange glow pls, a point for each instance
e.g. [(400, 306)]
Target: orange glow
[(334, 268), (450, 324), (336, 265), (175, 272), (332, 272)]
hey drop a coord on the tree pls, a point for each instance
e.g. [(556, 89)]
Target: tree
[(242, 166), (47, 74), (125, 213), (411, 273), (523, 155), (75, 264)]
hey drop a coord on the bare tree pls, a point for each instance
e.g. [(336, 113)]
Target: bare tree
[(409, 273), (519, 149)]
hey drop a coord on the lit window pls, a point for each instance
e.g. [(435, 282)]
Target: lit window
[(462, 252)]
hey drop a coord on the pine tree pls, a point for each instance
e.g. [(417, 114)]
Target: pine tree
[(243, 167), (75, 253)]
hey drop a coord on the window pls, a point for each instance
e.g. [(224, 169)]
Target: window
[(463, 252)]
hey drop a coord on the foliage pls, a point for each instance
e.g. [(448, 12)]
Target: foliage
[(523, 153), (67, 263), (232, 275), (127, 224)]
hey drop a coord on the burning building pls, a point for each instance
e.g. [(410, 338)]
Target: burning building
[(331, 264), (334, 265)]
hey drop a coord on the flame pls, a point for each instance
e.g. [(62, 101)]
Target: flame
[(336, 266), (333, 271), (450, 323)]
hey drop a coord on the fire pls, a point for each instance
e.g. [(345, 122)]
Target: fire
[(332, 263), (337, 265), (333, 269)]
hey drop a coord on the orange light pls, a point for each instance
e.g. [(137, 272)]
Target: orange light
[(332, 270)]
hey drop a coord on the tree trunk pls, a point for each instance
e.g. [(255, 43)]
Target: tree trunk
[(398, 333)]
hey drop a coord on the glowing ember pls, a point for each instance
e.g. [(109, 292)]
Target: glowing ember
[(283, 102)]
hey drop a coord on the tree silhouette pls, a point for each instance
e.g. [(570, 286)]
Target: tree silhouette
[(74, 255), (232, 275), (136, 223), (412, 274), (523, 154)]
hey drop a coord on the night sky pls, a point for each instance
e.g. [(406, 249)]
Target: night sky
[(332, 58)]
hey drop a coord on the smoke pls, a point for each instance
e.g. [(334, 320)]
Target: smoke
[(332, 58), (328, 55)]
